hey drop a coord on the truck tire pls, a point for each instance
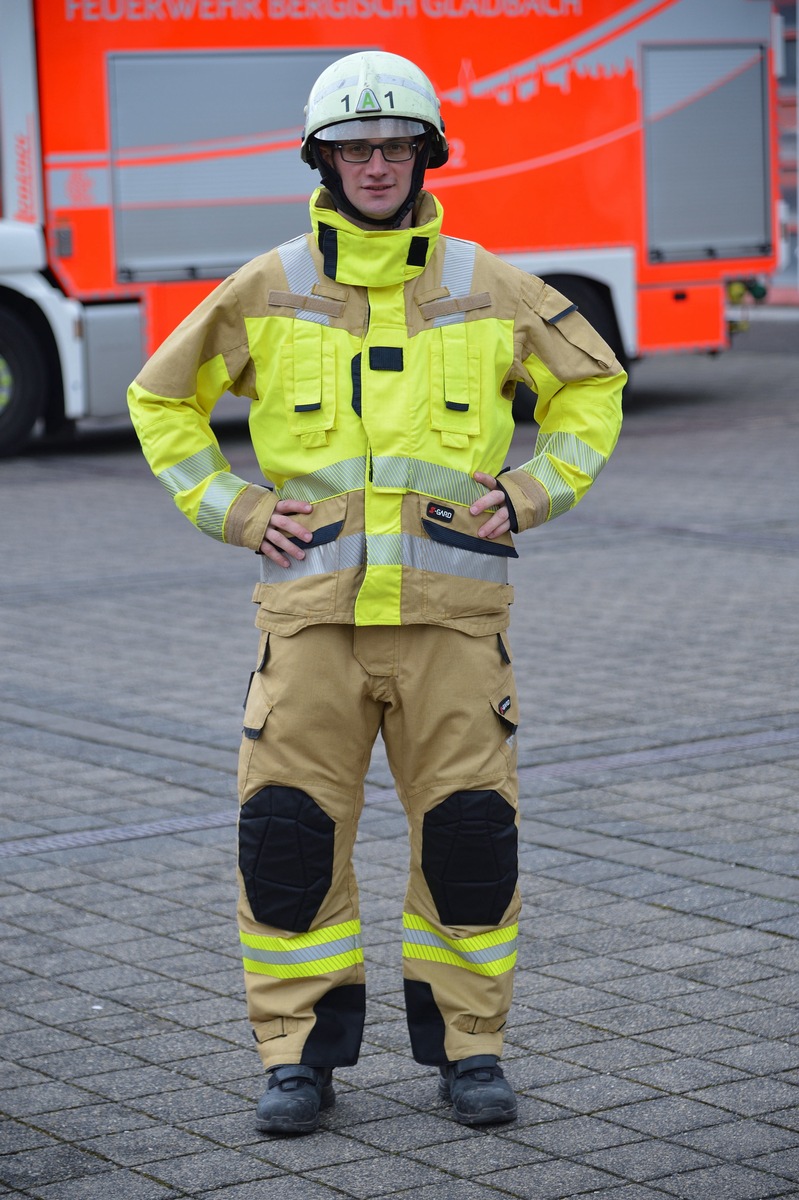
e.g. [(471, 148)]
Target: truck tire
[(23, 382), (597, 309)]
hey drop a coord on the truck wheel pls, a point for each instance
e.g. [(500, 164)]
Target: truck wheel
[(23, 382)]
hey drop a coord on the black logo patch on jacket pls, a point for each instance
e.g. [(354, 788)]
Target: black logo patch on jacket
[(504, 705), (440, 512)]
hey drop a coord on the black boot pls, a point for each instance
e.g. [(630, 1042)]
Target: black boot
[(478, 1091), (293, 1098)]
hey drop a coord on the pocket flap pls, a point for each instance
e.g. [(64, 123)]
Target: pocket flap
[(464, 541), (563, 315), (506, 706), (320, 537), (256, 709)]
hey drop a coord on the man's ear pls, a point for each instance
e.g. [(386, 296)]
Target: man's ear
[(324, 152)]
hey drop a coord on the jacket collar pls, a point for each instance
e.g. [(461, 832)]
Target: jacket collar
[(374, 257)]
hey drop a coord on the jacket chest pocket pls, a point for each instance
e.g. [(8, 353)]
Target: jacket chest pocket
[(308, 375), (455, 386)]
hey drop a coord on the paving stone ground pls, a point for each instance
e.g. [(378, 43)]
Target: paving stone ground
[(654, 1039)]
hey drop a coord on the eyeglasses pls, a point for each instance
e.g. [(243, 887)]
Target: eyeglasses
[(361, 152)]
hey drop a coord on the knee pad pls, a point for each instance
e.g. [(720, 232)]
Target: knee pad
[(470, 857), (285, 856)]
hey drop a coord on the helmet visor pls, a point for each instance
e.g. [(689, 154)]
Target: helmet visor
[(385, 127)]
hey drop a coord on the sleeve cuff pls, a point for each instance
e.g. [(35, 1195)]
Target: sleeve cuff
[(248, 517), (528, 500)]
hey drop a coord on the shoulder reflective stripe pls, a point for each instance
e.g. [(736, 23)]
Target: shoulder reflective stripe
[(569, 449), (335, 480), (457, 274), (428, 479), (219, 495), (305, 954), (340, 555), (301, 275), (490, 953), (193, 470)]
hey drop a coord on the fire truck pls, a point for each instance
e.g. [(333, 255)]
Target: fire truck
[(624, 150)]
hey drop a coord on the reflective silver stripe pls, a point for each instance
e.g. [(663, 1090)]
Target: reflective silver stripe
[(572, 450), (426, 478), (457, 274), (385, 549), (335, 480), (301, 275), (561, 496), (423, 554), (187, 474), (424, 937), (410, 474), (321, 950), (345, 552), (569, 449), (389, 550), (219, 495)]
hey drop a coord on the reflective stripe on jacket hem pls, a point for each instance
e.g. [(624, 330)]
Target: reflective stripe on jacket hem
[(388, 550)]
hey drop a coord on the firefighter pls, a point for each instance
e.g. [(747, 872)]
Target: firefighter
[(380, 358)]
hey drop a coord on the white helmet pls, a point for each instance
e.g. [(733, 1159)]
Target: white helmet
[(373, 93)]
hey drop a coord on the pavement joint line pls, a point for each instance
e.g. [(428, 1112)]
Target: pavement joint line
[(577, 766), (120, 833), (658, 754), (742, 537), (82, 730)]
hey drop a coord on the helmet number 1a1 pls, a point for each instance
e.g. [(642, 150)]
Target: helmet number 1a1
[(368, 102)]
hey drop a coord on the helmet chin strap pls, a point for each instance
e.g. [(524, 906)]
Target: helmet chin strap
[(332, 181)]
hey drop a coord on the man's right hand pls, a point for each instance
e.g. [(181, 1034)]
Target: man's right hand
[(276, 545)]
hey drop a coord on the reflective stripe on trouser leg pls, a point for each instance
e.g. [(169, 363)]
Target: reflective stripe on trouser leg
[(303, 757), (451, 745)]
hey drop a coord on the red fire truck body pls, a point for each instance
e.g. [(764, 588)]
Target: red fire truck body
[(623, 149)]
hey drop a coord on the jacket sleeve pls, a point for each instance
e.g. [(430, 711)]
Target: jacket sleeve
[(171, 401), (578, 381)]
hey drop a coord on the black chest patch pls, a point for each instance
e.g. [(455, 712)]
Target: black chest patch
[(439, 512)]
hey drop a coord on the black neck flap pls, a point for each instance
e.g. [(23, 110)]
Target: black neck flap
[(328, 244), (417, 252)]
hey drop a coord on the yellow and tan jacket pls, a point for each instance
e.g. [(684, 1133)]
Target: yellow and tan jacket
[(381, 366)]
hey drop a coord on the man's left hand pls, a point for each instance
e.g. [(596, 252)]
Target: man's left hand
[(499, 522)]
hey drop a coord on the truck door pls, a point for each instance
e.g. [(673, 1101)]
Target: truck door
[(706, 148), (206, 171)]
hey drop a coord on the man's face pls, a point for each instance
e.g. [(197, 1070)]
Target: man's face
[(378, 187)]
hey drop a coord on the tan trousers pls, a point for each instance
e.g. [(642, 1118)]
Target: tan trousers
[(446, 706)]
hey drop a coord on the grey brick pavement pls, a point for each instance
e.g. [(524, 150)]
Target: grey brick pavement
[(654, 1038)]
